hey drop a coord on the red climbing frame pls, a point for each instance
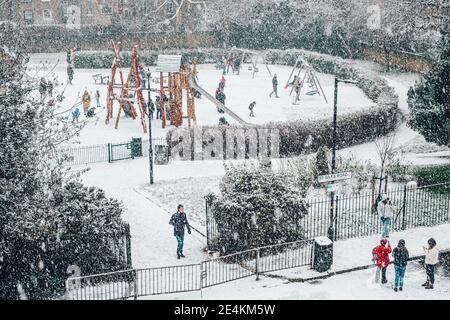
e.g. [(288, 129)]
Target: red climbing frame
[(133, 84)]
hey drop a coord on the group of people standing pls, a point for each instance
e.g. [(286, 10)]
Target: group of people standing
[(401, 257), (86, 100), (386, 211)]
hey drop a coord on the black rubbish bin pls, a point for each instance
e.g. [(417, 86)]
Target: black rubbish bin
[(323, 254), (161, 155), (136, 147)]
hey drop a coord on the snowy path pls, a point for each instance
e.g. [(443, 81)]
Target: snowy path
[(352, 285), (152, 242)]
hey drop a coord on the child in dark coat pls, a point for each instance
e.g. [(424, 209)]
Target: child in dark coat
[(401, 257)]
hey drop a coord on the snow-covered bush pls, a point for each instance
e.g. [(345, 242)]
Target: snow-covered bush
[(103, 59), (256, 208), (429, 102), (48, 221), (428, 175)]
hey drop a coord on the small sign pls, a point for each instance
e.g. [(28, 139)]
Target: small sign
[(168, 63), (335, 177)]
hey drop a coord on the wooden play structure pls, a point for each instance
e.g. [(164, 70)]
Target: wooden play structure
[(127, 93), (174, 84)]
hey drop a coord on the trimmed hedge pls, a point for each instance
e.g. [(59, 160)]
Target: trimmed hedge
[(103, 59), (430, 175), (297, 137)]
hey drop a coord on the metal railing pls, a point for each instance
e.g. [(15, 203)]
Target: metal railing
[(185, 278), (106, 152), (355, 214)]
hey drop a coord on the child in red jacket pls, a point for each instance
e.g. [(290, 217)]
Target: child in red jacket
[(381, 257)]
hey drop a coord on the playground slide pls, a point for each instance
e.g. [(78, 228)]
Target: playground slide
[(221, 106)]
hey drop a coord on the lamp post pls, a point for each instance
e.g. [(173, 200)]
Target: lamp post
[(331, 231), (150, 117)]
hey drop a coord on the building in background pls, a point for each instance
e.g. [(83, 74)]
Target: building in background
[(74, 14)]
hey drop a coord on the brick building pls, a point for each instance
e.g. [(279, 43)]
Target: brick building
[(78, 13)]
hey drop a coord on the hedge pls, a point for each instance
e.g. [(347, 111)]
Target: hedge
[(103, 59), (298, 137), (429, 175)]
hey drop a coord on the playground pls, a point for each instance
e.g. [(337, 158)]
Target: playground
[(240, 91)]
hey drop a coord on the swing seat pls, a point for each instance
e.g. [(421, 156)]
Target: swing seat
[(256, 69), (312, 92), (250, 68)]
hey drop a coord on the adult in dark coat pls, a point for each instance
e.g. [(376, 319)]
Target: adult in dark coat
[(401, 257), (274, 86), (179, 221)]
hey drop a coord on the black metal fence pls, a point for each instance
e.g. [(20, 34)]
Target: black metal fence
[(110, 152), (175, 279), (354, 215)]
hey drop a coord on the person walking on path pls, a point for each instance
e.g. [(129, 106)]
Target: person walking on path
[(431, 260), (386, 211), (86, 99), (251, 107), (401, 257), (274, 86), (179, 221), (381, 258)]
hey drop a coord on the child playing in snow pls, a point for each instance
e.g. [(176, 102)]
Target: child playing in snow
[(75, 115), (431, 260), (401, 256), (86, 101), (97, 98), (381, 258)]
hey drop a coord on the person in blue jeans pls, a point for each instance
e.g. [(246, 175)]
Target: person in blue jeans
[(179, 221), (401, 257), (386, 211)]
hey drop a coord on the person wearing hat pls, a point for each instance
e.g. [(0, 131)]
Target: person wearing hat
[(381, 258), (431, 260), (386, 212), (401, 257)]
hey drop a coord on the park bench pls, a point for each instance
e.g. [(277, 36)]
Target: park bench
[(100, 79)]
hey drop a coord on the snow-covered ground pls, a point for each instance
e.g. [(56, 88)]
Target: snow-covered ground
[(240, 92), (352, 285), (349, 286), (148, 209)]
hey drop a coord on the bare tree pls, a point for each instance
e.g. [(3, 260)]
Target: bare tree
[(385, 149)]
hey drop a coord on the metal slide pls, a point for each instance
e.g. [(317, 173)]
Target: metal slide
[(193, 83)]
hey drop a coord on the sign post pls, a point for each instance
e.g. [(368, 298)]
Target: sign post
[(331, 188)]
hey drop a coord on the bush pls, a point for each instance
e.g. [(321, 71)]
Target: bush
[(432, 174), (103, 59), (256, 208)]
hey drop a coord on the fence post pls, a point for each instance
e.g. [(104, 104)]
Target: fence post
[(109, 152), (135, 285), (208, 241), (257, 263), (404, 209), (336, 205)]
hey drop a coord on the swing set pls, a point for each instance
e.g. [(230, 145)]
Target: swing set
[(310, 81)]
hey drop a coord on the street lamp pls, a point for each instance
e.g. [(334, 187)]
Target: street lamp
[(150, 118), (331, 231)]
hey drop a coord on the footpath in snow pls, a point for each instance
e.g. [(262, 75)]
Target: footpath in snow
[(347, 286)]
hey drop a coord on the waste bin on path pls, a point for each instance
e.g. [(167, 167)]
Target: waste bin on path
[(323, 254)]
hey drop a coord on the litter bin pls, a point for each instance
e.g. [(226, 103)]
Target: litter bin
[(161, 154), (136, 147), (323, 254)]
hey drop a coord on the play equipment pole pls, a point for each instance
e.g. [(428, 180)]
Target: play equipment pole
[(150, 117)]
